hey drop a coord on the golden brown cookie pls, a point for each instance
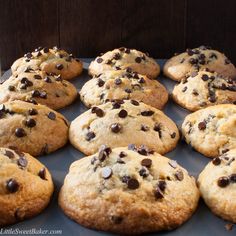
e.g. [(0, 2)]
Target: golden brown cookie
[(212, 130), (204, 88), (123, 84), (35, 129), (217, 184), (120, 123), (128, 190), (55, 60), (25, 186), (124, 58), (182, 65), (38, 87)]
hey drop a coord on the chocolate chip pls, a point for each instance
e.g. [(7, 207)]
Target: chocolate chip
[(189, 51), (35, 93), (205, 77), (117, 56), (12, 185), (143, 172), (117, 68), (59, 66), (51, 115), (123, 113), (127, 50), (28, 55), (99, 112), (173, 135), (147, 113), (122, 154), (134, 102), (19, 132), (120, 161), (106, 172), (202, 125), (179, 175), (43, 94), (216, 161), (11, 88), (195, 92), (162, 185), (116, 127), (157, 128), (133, 183), (158, 193), (47, 80), (193, 61), (22, 162), (232, 178), (99, 60), (116, 219), (212, 98), (138, 59), (42, 173), (146, 162), (30, 123), (194, 73), (90, 135), (38, 77), (46, 50), (223, 182), (118, 81), (127, 90), (144, 128), (33, 111), (9, 154), (100, 83), (143, 150), (173, 164)]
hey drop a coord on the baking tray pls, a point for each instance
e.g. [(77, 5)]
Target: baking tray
[(203, 222)]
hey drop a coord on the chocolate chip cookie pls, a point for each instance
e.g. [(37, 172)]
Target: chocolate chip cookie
[(217, 184), (132, 190), (25, 186), (204, 88), (35, 129), (38, 87), (182, 65), (55, 60), (120, 123), (212, 130), (123, 84), (125, 58)]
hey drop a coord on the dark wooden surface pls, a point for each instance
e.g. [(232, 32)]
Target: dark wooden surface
[(88, 27)]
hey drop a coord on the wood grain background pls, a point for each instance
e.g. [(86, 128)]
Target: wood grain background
[(88, 27)]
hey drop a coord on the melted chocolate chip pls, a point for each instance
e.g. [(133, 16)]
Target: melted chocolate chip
[(59, 66), (117, 56), (38, 77), (216, 161), (223, 182), (157, 128), (11, 88), (147, 113), (134, 102), (158, 193), (22, 162), (99, 112), (122, 154), (116, 127), (19, 132), (30, 123), (12, 185), (179, 175), (202, 125), (144, 128), (146, 162), (42, 173), (143, 172), (173, 135), (162, 185), (205, 77), (33, 112), (106, 172), (133, 184), (232, 178), (99, 60), (90, 135), (9, 154), (100, 83), (118, 81), (123, 113), (138, 59), (51, 115)]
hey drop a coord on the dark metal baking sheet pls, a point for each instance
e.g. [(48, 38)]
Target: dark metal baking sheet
[(203, 222)]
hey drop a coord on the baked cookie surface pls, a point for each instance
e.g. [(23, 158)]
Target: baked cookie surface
[(203, 89), (212, 130), (38, 87), (217, 184), (25, 186), (182, 65), (124, 58), (35, 129), (120, 123), (128, 190), (122, 84), (53, 60)]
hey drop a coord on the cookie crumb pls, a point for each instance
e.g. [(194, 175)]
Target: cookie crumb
[(229, 226)]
